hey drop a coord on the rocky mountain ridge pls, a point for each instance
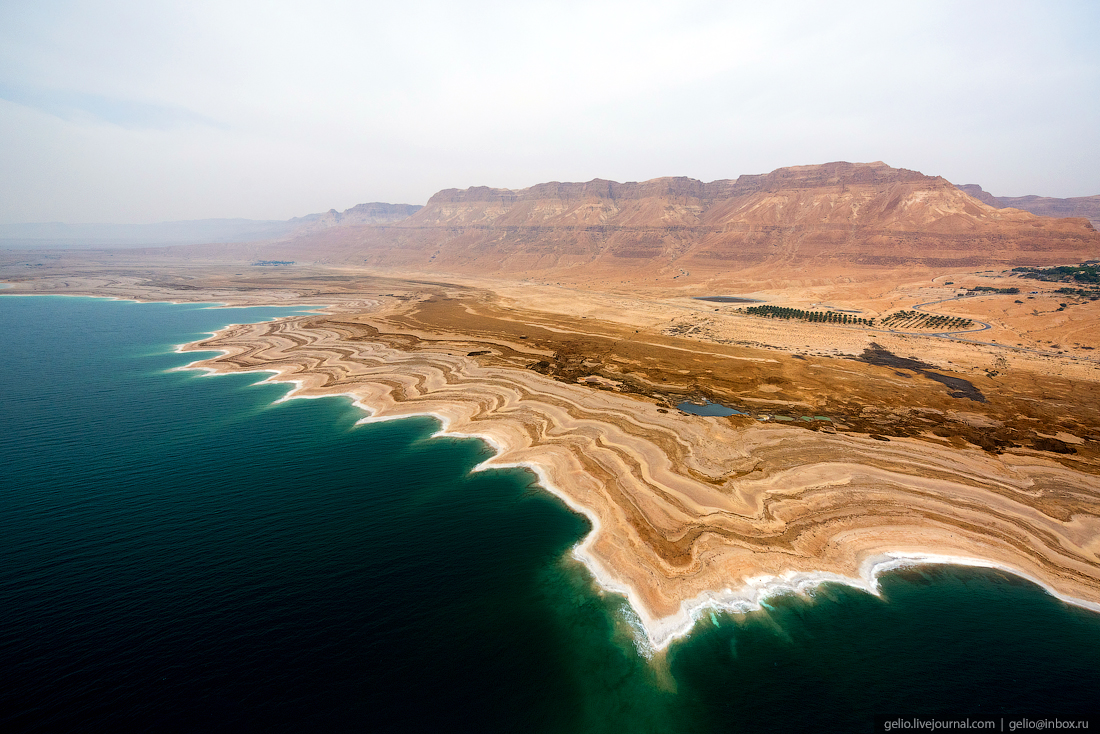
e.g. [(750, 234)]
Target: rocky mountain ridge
[(1045, 206), (859, 214)]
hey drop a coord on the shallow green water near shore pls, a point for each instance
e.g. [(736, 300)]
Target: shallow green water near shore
[(180, 553)]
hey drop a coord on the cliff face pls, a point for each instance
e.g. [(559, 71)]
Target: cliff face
[(1045, 206), (655, 203), (843, 213)]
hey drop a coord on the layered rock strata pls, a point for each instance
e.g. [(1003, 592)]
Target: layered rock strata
[(838, 213)]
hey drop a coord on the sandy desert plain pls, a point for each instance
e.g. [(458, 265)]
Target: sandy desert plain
[(855, 448)]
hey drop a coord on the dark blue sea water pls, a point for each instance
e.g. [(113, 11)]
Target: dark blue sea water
[(180, 553)]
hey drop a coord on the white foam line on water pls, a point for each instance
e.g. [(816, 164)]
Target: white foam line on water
[(654, 634), (757, 590)]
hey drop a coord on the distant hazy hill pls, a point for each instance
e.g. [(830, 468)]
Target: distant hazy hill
[(843, 213), (198, 231), (1045, 206), (373, 213), (57, 234)]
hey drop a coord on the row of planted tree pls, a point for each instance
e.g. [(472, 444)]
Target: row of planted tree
[(898, 319), (826, 317), (920, 320)]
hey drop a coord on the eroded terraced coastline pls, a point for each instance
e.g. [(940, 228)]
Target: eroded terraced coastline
[(692, 511)]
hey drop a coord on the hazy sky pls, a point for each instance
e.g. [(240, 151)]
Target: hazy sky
[(147, 111)]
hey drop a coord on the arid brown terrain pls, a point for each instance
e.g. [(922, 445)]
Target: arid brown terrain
[(1045, 206), (807, 217), (930, 403)]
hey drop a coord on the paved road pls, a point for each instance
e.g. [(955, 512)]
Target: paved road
[(946, 334), (954, 335)]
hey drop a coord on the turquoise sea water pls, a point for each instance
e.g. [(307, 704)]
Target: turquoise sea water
[(180, 553)]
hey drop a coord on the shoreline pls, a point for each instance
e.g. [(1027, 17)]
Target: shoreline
[(654, 633), (752, 596), (610, 551)]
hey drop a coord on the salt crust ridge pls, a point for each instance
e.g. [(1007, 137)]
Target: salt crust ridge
[(655, 634)]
